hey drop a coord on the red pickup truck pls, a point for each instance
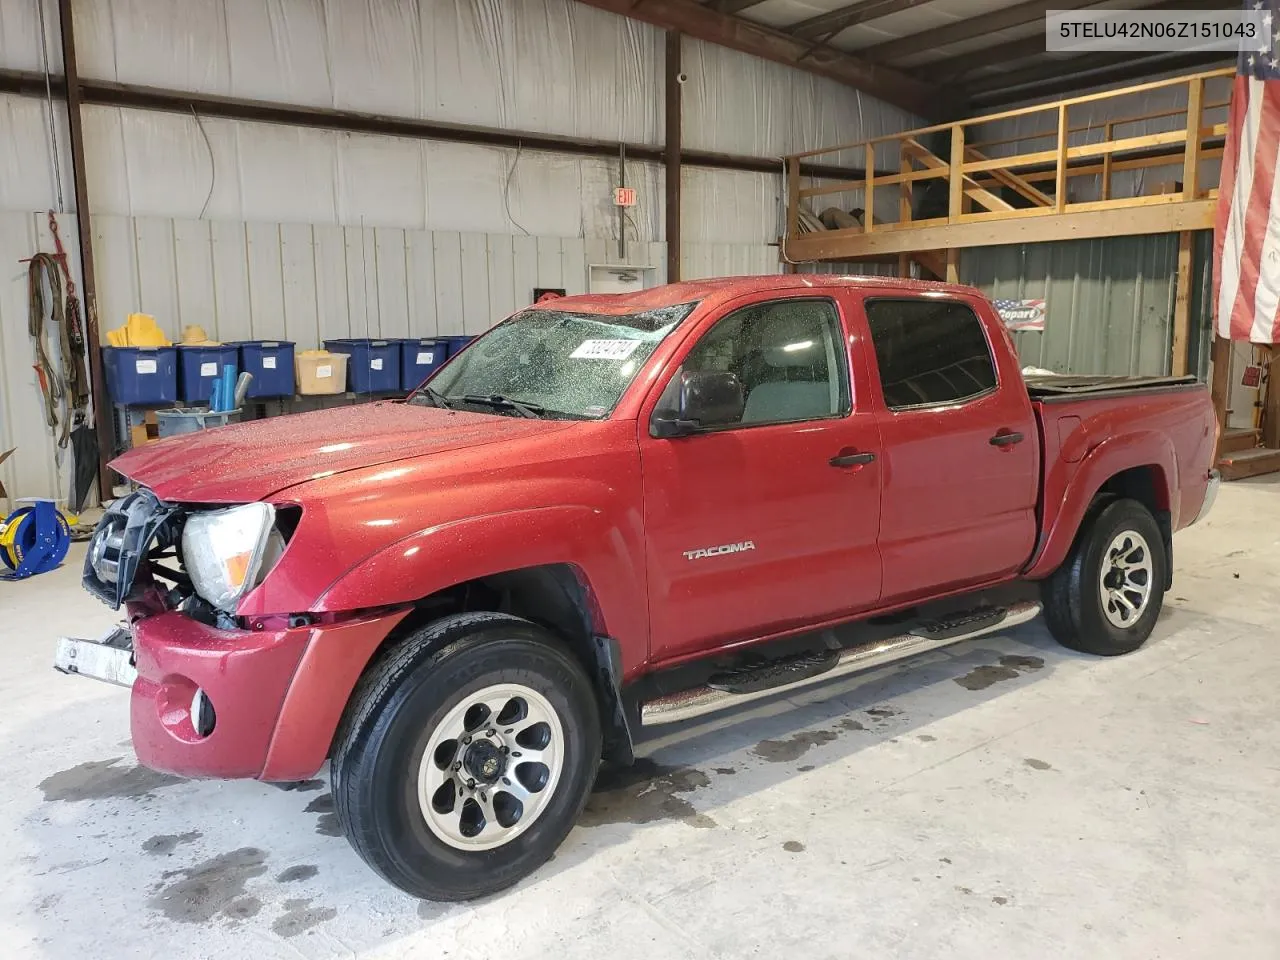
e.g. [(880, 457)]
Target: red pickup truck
[(610, 512)]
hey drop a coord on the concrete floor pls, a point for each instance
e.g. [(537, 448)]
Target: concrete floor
[(1003, 798)]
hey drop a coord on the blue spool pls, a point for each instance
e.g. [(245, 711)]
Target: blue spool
[(36, 540)]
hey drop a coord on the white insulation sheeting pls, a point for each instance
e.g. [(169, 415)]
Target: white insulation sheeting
[(276, 231)]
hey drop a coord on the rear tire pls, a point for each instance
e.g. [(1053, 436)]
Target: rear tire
[(1107, 595), (426, 781)]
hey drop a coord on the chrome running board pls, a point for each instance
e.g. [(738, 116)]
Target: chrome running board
[(698, 701)]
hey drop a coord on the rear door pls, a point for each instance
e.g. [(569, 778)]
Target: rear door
[(770, 522), (961, 451)]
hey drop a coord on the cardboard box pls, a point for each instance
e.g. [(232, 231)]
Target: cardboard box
[(145, 432), (320, 372)]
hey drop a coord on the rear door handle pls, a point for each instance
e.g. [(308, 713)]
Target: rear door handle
[(1005, 439), (852, 459)]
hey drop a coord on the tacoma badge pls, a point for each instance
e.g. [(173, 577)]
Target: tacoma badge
[(720, 550)]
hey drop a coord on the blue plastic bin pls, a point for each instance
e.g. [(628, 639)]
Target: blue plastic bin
[(456, 343), (374, 365), (199, 367), (271, 363), (141, 376), (419, 359)]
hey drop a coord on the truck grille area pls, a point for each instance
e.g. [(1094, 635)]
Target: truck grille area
[(132, 532)]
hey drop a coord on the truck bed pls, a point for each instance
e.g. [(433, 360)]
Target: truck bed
[(1051, 387)]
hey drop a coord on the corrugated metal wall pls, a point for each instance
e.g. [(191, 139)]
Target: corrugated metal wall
[(1109, 301)]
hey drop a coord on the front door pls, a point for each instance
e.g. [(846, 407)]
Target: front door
[(961, 449), (768, 523)]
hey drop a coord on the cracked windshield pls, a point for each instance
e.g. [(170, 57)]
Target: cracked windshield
[(552, 363)]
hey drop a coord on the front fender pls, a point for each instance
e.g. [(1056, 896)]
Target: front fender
[(1073, 487), (441, 556)]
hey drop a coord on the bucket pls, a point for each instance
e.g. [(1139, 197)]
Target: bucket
[(175, 422)]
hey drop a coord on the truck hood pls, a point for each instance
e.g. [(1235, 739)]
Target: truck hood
[(249, 461)]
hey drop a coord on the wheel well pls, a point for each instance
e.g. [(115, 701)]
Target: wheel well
[(554, 596), (1149, 486)]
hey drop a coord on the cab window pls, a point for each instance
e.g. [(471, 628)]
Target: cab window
[(929, 352), (789, 356)]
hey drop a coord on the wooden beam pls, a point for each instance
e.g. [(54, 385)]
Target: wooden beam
[(1023, 226), (869, 191), (833, 21), (967, 28), (953, 265), (1220, 377), (1191, 157), (904, 190), (1182, 306), (1060, 176), (793, 198), (1124, 67), (1107, 161), (103, 420), (712, 26), (672, 147)]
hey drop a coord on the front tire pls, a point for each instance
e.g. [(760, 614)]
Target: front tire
[(466, 756), (1107, 595)]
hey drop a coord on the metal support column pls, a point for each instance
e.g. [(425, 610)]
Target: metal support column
[(101, 407), (671, 154)]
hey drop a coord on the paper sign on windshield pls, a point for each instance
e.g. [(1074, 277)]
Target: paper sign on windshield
[(605, 349)]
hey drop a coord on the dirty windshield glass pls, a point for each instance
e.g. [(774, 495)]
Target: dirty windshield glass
[(553, 363)]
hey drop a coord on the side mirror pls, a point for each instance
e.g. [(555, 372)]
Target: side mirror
[(703, 398)]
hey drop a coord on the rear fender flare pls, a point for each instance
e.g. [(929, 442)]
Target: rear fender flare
[(1145, 448)]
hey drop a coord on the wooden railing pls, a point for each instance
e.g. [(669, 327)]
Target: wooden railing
[(1026, 185)]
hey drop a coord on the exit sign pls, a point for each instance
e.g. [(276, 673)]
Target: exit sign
[(624, 196)]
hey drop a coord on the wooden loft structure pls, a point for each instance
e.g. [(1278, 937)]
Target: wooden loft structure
[(993, 196)]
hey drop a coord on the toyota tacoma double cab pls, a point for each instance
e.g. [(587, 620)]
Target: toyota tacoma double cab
[(613, 512)]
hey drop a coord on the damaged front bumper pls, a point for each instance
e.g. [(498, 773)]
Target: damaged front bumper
[(108, 658), (209, 702)]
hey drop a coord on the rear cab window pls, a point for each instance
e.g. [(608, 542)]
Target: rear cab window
[(929, 352)]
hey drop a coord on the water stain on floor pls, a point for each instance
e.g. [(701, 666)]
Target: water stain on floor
[(215, 886), (645, 792), (102, 779), (327, 825), (926, 738), (793, 747), (299, 916), (793, 846), (848, 723), (163, 845), (1035, 764), (303, 871), (881, 712), (1009, 668)]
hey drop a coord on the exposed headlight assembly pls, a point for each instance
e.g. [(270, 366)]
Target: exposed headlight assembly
[(228, 552)]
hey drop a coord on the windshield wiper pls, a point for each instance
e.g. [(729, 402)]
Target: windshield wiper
[(437, 398), (498, 402)]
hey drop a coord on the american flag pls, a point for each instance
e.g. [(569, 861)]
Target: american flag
[(1021, 314), (1246, 235)]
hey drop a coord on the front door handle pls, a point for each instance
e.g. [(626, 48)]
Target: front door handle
[(1005, 439), (852, 460)]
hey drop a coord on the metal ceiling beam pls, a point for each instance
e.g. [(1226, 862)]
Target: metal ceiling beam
[(968, 28), (734, 6), (105, 93), (1118, 68), (1032, 11), (704, 23), (830, 23), (966, 63)]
